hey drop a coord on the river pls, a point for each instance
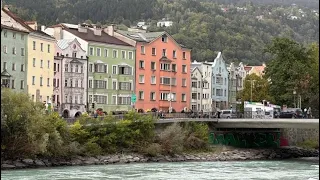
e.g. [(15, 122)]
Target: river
[(232, 170)]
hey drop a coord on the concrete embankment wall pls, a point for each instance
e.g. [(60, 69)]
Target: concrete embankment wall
[(296, 136)]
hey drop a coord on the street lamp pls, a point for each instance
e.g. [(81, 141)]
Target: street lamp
[(294, 98)]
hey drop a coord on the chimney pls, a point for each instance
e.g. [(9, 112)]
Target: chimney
[(57, 33), (43, 28), (109, 30), (82, 28), (97, 30)]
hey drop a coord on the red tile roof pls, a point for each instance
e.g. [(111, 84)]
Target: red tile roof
[(18, 19)]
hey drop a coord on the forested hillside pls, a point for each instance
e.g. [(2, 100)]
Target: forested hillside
[(240, 30)]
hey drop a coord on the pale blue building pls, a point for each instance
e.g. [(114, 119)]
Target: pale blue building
[(219, 87)]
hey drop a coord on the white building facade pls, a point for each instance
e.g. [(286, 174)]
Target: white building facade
[(70, 78), (219, 88), (201, 73)]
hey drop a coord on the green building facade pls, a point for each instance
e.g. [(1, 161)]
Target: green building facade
[(13, 58), (110, 76)]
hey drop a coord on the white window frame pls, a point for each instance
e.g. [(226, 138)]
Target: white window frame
[(116, 99), (106, 54), (114, 80), (114, 50), (130, 52), (141, 98), (99, 51), (91, 54), (143, 50), (116, 69), (155, 96), (183, 97), (155, 80), (125, 54), (155, 51), (141, 82)]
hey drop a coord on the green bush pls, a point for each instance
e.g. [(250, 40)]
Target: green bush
[(153, 150), (172, 139), (309, 144)]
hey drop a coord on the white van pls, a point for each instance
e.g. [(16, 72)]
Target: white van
[(227, 114)]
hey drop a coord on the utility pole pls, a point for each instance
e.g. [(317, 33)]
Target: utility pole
[(252, 83)]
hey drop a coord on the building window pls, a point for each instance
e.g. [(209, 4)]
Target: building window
[(13, 66), (194, 84), (33, 80), (41, 78), (183, 97), (22, 36), (194, 95), (141, 95), (141, 78), (152, 96), (90, 83), (125, 86), (174, 68), (164, 53), (22, 67), (114, 69), (34, 45), (71, 67), (90, 67), (153, 79), (125, 70), (48, 48), (153, 65), (165, 80), (114, 84), (115, 54), (77, 68), (66, 67), (99, 84), (165, 67), (123, 54), (183, 55), (5, 49), (41, 47), (12, 84), (130, 54), (14, 35), (22, 84), (48, 64), (153, 51), (141, 64), (174, 54), (22, 51), (142, 50), (164, 39), (184, 82), (105, 52), (164, 96), (14, 51), (48, 82), (5, 34), (124, 100), (91, 51), (41, 63), (4, 65), (81, 68), (98, 52), (184, 68), (114, 99), (74, 54)]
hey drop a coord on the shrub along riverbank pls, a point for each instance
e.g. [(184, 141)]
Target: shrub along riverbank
[(27, 132), (31, 138)]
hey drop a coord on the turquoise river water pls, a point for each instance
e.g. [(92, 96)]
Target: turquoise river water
[(232, 170)]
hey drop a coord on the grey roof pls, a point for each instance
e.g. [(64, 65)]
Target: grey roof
[(141, 37), (64, 43)]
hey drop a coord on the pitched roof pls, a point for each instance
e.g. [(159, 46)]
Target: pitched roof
[(64, 43), (12, 28), (43, 34), (141, 37), (18, 19), (90, 36)]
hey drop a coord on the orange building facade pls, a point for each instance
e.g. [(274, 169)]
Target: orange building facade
[(163, 77)]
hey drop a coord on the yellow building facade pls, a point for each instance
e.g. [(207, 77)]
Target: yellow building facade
[(40, 62)]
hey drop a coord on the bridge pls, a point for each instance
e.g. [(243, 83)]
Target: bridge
[(251, 123)]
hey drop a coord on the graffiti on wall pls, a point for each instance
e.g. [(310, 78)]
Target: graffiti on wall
[(246, 139)]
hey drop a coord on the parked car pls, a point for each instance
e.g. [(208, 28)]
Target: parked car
[(292, 113), (227, 114)]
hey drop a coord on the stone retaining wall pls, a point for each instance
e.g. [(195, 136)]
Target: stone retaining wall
[(227, 155), (296, 136)]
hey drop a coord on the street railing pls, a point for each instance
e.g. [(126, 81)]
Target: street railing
[(186, 115)]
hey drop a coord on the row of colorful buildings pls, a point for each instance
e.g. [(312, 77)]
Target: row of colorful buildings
[(79, 68)]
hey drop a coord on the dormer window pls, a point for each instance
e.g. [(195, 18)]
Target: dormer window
[(164, 38)]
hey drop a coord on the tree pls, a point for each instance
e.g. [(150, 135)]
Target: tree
[(288, 71), (260, 89)]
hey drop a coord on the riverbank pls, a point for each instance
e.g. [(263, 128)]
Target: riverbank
[(225, 154)]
